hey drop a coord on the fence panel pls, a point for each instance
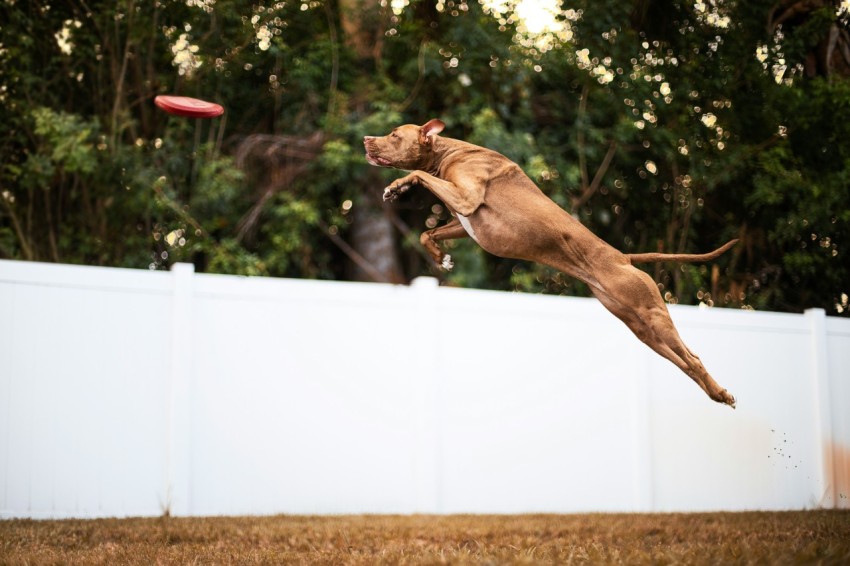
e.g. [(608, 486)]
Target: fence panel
[(126, 392)]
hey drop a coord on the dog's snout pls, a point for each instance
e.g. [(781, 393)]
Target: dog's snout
[(367, 139)]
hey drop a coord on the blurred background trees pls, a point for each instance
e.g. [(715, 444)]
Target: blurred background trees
[(661, 124)]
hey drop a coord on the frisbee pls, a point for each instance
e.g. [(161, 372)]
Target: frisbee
[(188, 107)]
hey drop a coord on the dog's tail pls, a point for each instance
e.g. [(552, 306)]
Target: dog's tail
[(684, 258)]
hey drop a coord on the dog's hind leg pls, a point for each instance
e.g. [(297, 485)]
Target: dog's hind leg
[(641, 329), (449, 231), (635, 300)]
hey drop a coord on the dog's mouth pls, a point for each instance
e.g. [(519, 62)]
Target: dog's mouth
[(376, 160), (372, 156)]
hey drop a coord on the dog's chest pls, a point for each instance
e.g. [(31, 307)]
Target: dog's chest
[(464, 221)]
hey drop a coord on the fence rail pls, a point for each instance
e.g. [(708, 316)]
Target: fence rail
[(126, 392)]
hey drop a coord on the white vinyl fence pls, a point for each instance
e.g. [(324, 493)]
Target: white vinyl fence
[(126, 392)]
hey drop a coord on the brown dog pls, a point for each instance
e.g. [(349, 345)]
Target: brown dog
[(499, 207)]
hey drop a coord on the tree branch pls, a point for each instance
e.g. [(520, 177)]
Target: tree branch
[(119, 88), (414, 92), (580, 141), (352, 254), (797, 8), (16, 224), (832, 41), (334, 60), (844, 45), (597, 179)]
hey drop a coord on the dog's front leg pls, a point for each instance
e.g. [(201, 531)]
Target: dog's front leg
[(463, 198)]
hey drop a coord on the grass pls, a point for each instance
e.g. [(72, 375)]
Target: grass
[(712, 538)]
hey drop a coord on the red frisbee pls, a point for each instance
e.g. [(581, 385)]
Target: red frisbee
[(189, 107)]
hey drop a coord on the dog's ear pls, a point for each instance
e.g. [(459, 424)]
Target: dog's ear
[(429, 130)]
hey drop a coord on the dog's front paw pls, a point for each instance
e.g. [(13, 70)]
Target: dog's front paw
[(391, 193), (394, 191), (447, 263), (397, 188)]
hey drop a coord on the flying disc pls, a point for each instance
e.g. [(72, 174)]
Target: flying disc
[(189, 107)]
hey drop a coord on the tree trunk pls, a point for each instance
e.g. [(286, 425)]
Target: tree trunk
[(363, 24), (372, 233), (373, 237)]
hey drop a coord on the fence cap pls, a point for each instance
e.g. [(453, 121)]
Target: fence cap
[(182, 267), (425, 282)]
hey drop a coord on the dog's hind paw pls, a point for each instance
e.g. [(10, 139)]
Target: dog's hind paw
[(725, 397), (447, 263)]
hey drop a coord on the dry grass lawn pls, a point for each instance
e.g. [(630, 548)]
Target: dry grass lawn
[(715, 538)]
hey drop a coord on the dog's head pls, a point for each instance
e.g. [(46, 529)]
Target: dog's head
[(407, 147)]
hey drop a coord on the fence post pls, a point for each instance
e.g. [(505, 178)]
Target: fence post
[(427, 465), (179, 401), (644, 500), (825, 482)]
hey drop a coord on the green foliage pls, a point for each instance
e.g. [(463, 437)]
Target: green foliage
[(67, 141), (652, 122)]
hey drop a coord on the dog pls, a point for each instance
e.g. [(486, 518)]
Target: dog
[(495, 203)]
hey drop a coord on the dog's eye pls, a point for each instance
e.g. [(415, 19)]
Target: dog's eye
[(393, 135)]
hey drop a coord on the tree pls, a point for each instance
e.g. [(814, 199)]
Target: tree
[(705, 128), (668, 125)]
